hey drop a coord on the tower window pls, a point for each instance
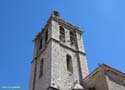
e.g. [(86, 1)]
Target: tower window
[(46, 36), (72, 37), (62, 34), (40, 43), (41, 68), (69, 63)]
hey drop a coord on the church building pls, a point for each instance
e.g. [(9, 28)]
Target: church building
[(59, 61)]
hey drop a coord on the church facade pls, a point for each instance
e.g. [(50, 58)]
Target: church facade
[(59, 61)]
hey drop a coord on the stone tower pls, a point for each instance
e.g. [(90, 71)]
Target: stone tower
[(59, 61)]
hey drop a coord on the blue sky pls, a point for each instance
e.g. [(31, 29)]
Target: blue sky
[(21, 20)]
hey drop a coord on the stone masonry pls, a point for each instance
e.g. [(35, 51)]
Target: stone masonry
[(54, 53)]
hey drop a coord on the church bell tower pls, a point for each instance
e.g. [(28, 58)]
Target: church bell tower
[(59, 61)]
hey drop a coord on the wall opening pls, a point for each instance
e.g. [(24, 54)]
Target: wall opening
[(40, 43), (72, 37), (46, 35), (69, 63), (62, 34), (41, 68), (92, 88)]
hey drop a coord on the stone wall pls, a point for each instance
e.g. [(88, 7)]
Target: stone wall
[(43, 82), (60, 77)]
